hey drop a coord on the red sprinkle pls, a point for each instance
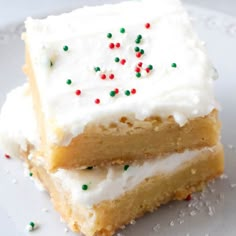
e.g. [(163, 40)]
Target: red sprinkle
[(111, 76), (97, 100), (78, 92), (116, 90), (117, 45), (137, 69), (123, 61), (147, 25), (138, 54), (188, 198), (147, 70), (7, 156), (140, 64), (111, 45), (133, 91), (103, 76)]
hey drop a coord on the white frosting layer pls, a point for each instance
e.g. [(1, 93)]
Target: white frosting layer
[(17, 122), (103, 183), (183, 92), (110, 183)]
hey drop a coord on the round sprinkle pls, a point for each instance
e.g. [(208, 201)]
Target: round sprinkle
[(142, 51), (126, 167), (150, 67), (30, 174), (174, 65), (138, 54), (103, 76), (31, 226), (188, 198), (139, 37), (111, 45), (96, 69), (7, 156), (69, 81), (137, 41), (140, 64), (78, 92), (117, 45), (123, 61), (89, 167), (147, 25), (109, 35), (147, 70), (122, 30), (97, 101), (127, 92), (116, 90), (111, 76), (117, 59), (65, 48), (137, 69), (112, 93), (138, 75), (136, 49), (133, 91), (84, 187)]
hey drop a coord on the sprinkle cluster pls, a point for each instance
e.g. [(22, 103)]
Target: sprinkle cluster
[(115, 43)]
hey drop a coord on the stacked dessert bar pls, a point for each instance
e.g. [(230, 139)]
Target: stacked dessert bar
[(119, 114)]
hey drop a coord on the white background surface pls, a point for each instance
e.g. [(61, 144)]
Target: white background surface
[(20, 201)]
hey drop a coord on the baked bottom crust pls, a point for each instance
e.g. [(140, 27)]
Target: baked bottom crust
[(123, 142), (104, 218)]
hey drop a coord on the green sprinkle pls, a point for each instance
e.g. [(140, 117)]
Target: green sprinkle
[(84, 187), (142, 51), (139, 37), (30, 174), (32, 224), (68, 81), (150, 67), (51, 63), (117, 59), (109, 35), (126, 167), (65, 48), (122, 30), (136, 49), (127, 92), (174, 65), (137, 41), (112, 93), (138, 75), (97, 69), (89, 167)]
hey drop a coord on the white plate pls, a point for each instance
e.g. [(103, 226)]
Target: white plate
[(210, 213)]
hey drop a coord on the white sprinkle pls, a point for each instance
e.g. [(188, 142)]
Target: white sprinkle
[(44, 209), (224, 176), (156, 227), (181, 222), (30, 156), (188, 234), (230, 146), (233, 185), (119, 234), (211, 211), (14, 181), (172, 223), (207, 234), (66, 230), (193, 213)]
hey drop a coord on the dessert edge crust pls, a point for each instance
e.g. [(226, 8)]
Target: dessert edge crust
[(136, 139), (106, 217)]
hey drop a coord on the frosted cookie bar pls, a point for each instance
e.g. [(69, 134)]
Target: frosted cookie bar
[(114, 87), (98, 201)]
